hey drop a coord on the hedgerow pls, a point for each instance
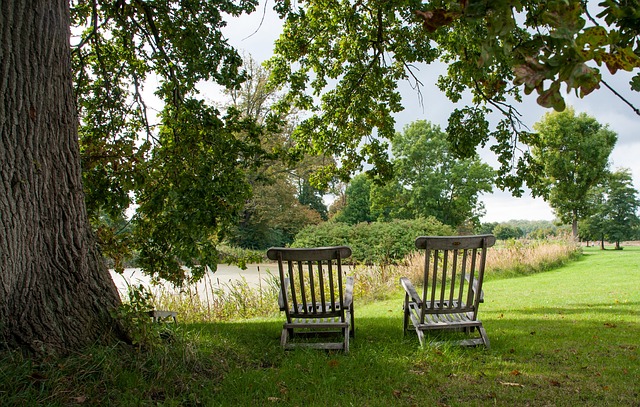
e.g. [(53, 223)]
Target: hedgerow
[(375, 242)]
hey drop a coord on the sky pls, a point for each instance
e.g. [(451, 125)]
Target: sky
[(255, 34)]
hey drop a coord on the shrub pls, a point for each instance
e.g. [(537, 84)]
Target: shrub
[(372, 243)]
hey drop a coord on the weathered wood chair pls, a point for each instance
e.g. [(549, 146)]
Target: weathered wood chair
[(452, 287), (313, 297)]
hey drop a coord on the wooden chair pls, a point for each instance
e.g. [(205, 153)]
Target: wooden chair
[(452, 287), (313, 297)]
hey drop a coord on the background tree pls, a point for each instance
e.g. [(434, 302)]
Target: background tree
[(619, 210), (390, 201), (592, 227), (281, 201), (505, 232), (436, 182), (569, 156), (357, 206), (343, 63), (312, 197)]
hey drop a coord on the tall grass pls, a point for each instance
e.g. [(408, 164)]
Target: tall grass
[(509, 258), (523, 257), (212, 301)]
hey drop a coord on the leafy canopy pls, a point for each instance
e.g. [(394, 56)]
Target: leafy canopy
[(343, 60), (569, 157), (184, 167), (435, 182)]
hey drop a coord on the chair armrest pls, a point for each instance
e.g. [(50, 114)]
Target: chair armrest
[(348, 292), (281, 295), (410, 290), (474, 287)]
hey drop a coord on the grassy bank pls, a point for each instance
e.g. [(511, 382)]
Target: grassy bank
[(565, 337)]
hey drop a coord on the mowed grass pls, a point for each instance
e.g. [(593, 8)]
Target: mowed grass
[(568, 337)]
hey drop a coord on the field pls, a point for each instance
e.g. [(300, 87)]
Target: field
[(565, 337)]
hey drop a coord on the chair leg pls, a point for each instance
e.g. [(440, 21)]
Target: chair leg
[(284, 337), (346, 340), (405, 324), (420, 336), (352, 327), (483, 334)]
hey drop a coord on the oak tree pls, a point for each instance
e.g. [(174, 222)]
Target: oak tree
[(55, 290)]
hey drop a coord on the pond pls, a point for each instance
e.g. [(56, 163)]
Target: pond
[(255, 275)]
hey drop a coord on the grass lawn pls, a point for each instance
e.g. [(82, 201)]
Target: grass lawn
[(569, 337)]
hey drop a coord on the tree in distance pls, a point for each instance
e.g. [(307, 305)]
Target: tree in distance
[(428, 181), (615, 216), (569, 157)]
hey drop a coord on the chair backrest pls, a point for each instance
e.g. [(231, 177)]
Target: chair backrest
[(453, 273), (311, 281)]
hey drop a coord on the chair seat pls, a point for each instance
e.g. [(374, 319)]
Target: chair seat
[(439, 320)]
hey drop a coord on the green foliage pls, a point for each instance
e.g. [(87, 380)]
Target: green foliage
[(185, 169), (616, 210), (531, 229), (620, 208), (133, 315), (342, 62), (435, 182), (427, 181), (312, 197), (570, 155), (375, 242), (358, 201), (505, 232), (195, 189)]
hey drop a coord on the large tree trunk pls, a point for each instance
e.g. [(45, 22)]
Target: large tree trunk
[(55, 290)]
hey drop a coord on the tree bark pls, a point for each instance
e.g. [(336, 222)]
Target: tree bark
[(55, 290), (574, 226)]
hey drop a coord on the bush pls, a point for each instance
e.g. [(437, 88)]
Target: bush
[(372, 243)]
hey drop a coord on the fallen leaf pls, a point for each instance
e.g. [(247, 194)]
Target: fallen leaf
[(610, 325), (397, 394), (79, 399), (555, 383), (511, 384), (515, 373), (333, 363), (273, 399)]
